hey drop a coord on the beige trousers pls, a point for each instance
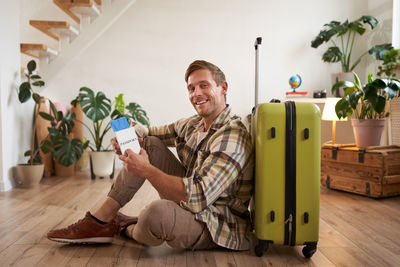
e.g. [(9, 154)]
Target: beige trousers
[(162, 220)]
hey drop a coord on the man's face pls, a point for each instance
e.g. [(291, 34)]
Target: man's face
[(206, 97)]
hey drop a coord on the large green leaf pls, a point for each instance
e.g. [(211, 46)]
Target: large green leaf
[(31, 66), (341, 84), (46, 146), (325, 35), (53, 110), (46, 116), (392, 90), (353, 99), (53, 131), (357, 82), (96, 107), (372, 21), (370, 92), (24, 92), (36, 98), (379, 51), (120, 103), (333, 54), (357, 27), (116, 115), (66, 123), (38, 83), (67, 152), (342, 108), (378, 103), (137, 113)]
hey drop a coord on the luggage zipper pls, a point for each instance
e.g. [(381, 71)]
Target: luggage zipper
[(290, 221), (290, 175)]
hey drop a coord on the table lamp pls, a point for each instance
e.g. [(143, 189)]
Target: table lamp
[(329, 114)]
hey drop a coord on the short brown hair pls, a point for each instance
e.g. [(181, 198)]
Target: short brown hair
[(218, 75)]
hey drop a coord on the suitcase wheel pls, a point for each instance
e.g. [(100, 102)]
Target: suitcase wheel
[(261, 247), (309, 249)]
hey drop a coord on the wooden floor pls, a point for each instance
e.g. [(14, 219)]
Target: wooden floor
[(354, 231)]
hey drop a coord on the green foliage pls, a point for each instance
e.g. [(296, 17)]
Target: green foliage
[(98, 108), (391, 61), (368, 101), (65, 151), (137, 113), (346, 33)]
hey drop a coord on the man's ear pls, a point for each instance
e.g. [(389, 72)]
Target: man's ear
[(224, 86)]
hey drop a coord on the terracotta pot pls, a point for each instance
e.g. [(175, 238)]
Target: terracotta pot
[(29, 175), (368, 132), (63, 171), (77, 130), (102, 163), (41, 134)]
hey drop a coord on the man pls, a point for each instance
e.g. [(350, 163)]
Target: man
[(204, 195)]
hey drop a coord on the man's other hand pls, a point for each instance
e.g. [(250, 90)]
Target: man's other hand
[(117, 148)]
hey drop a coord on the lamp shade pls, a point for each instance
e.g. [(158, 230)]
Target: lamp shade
[(329, 113)]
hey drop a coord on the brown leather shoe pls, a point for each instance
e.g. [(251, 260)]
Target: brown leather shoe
[(86, 230), (122, 222)]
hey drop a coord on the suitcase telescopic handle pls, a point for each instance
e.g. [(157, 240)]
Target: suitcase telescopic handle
[(257, 45)]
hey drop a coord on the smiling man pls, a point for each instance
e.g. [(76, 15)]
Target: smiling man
[(204, 195)]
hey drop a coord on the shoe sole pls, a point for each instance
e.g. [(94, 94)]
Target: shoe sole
[(91, 240)]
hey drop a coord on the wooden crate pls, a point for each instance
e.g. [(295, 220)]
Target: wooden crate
[(373, 172)]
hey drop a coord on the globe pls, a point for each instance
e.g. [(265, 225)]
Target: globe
[(295, 81)]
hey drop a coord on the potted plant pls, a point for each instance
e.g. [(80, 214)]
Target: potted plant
[(30, 173), (366, 104), (391, 62), (66, 151), (97, 107), (342, 38)]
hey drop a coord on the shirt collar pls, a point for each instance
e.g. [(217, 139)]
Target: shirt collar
[(221, 119)]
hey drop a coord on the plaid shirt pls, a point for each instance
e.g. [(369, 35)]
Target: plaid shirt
[(219, 172)]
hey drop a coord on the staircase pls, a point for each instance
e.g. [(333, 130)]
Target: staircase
[(93, 18)]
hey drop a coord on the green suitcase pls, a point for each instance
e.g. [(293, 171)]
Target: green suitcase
[(287, 148)]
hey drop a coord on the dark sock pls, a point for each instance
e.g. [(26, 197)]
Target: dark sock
[(97, 220)]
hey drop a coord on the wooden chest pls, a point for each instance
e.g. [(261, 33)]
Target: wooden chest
[(374, 171)]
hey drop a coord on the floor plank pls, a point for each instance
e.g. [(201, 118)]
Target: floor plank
[(354, 231)]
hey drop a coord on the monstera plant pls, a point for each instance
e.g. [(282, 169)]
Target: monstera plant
[(342, 36), (97, 107)]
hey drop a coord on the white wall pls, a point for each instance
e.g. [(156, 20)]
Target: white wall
[(15, 118), (145, 53)]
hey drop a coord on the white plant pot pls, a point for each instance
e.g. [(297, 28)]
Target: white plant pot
[(102, 163), (29, 175)]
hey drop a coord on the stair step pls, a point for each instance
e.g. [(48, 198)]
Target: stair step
[(37, 50), (83, 7), (54, 28)]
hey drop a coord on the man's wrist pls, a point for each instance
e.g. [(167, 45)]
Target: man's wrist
[(150, 172)]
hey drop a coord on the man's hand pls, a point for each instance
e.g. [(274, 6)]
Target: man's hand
[(136, 164), (114, 143), (117, 148)]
